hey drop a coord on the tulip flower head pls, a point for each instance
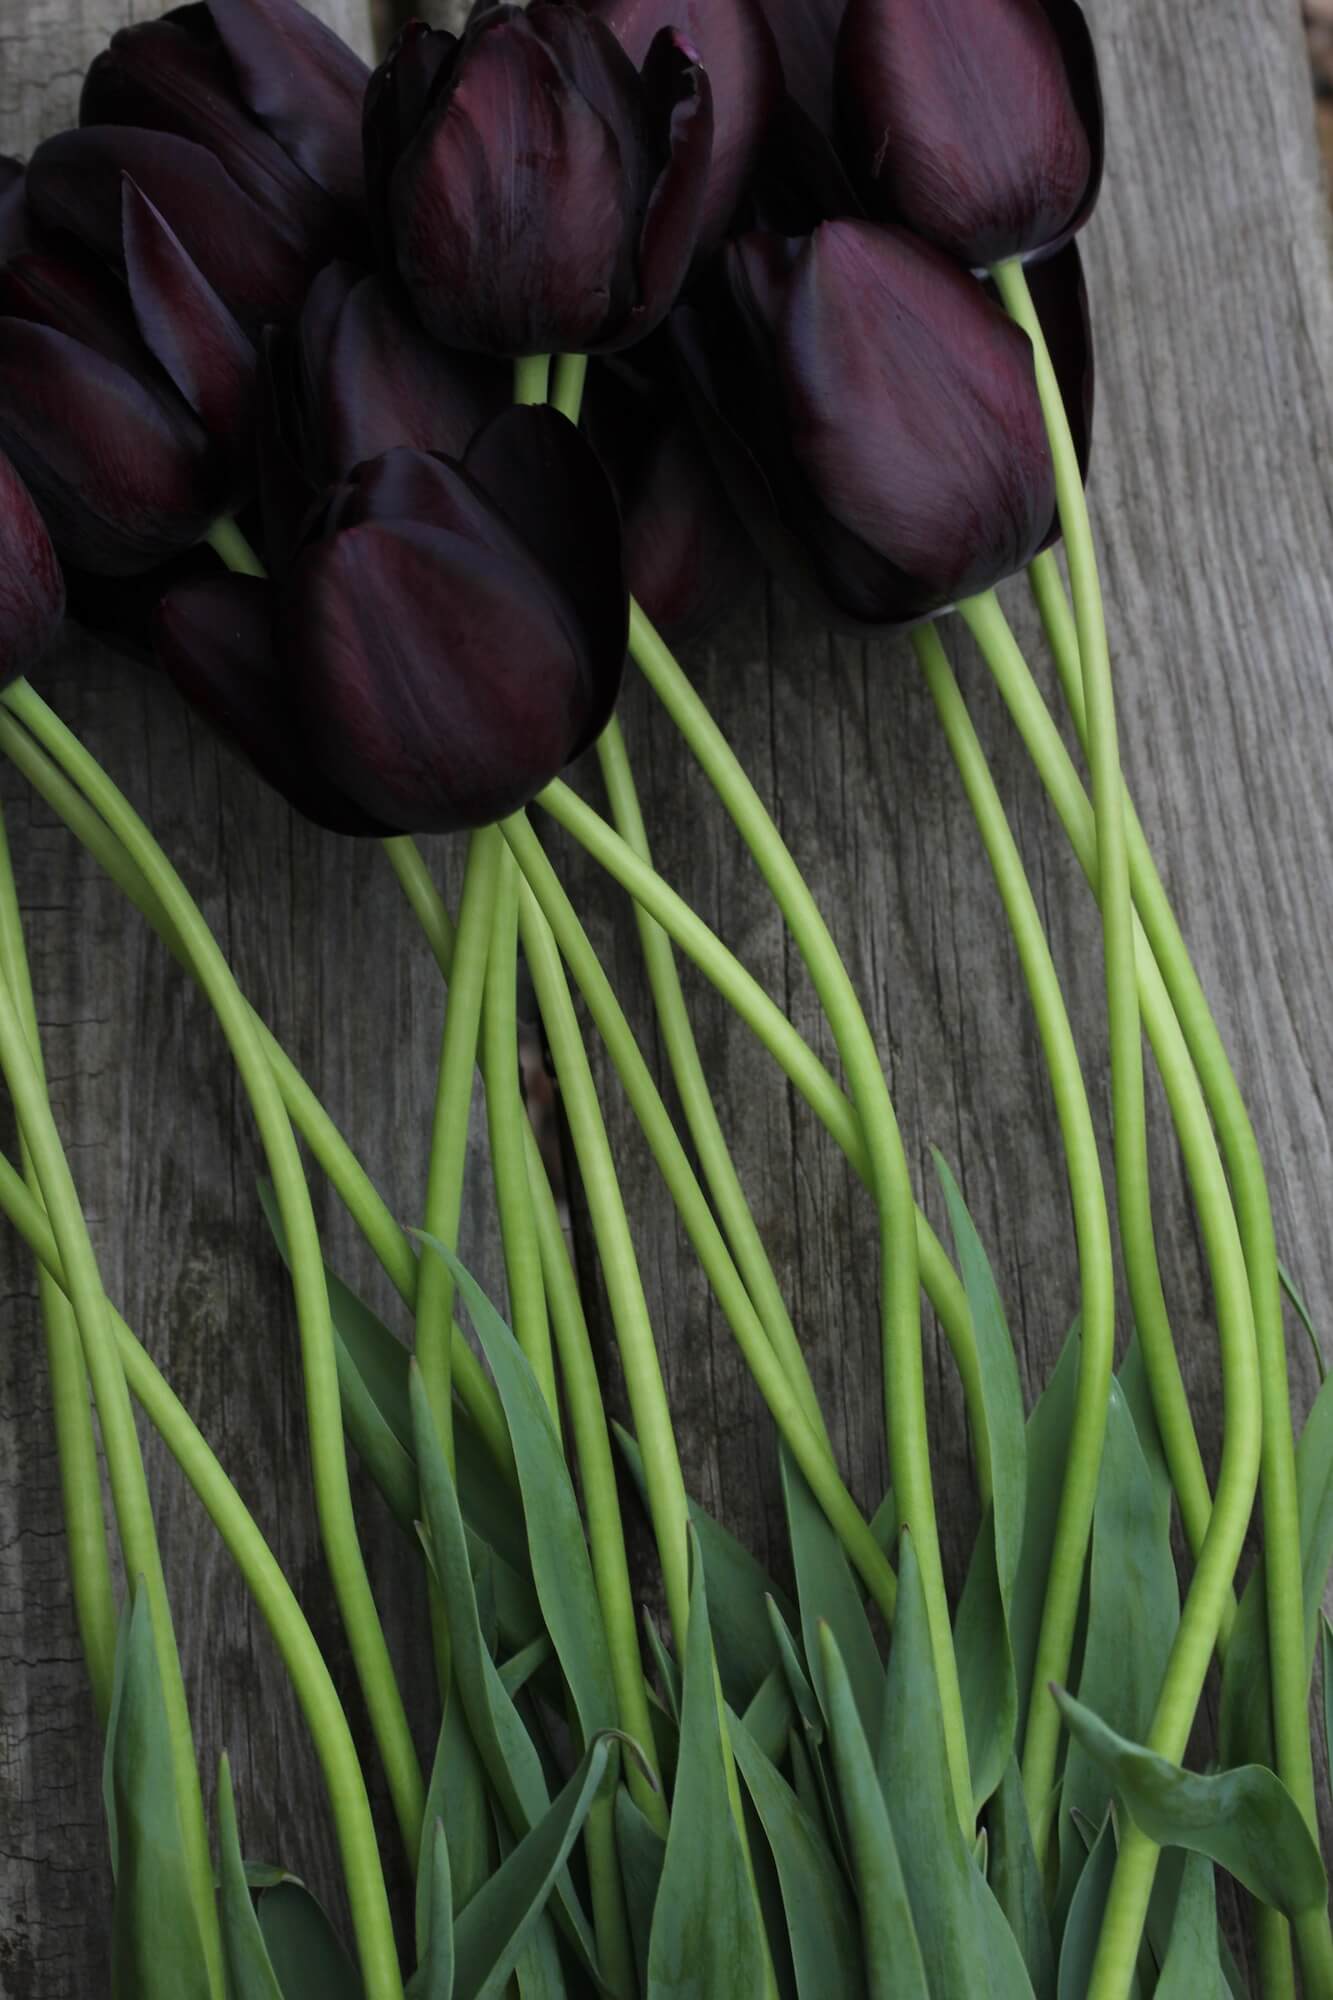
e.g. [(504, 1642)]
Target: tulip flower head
[(32, 591), (538, 192)]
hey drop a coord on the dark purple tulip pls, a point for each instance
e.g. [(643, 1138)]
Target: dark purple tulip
[(540, 193), (741, 60), (355, 378), (978, 123), (688, 559), (13, 208), (875, 415), (806, 32), (32, 591)]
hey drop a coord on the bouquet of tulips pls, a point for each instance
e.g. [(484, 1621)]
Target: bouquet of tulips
[(391, 415)]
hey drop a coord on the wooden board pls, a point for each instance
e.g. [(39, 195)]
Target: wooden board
[(1210, 282)]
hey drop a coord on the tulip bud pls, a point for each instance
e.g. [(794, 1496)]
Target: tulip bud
[(876, 418), (32, 592), (540, 193), (978, 123)]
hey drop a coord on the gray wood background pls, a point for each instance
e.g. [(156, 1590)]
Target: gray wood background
[(1209, 270)]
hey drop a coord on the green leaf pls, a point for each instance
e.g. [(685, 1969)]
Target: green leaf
[(985, 1658), (1326, 1661), (820, 1918), (828, 1595), (771, 1714), (798, 1681), (895, 1967), (1083, 1925), (306, 1952), (434, 1976), (1302, 1311), (561, 1567), (519, 1670), (250, 1974), (1047, 1451), (1244, 1819), (966, 1945), (1132, 1375), (737, 1587), (1192, 1969), (1132, 1588), (642, 1851), (538, 1973), (490, 1934), (1015, 1880), (668, 1673), (706, 1937), (456, 1798), (157, 1950)]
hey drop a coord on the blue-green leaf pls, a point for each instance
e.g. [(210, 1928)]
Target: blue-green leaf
[(706, 1937), (828, 1594), (1293, 1292), (306, 1951), (1047, 1452), (250, 1974), (456, 1799), (771, 1714), (1326, 1661), (642, 1851), (1245, 1819), (1083, 1925), (434, 1976), (1192, 1969), (1016, 1881), (985, 1667)]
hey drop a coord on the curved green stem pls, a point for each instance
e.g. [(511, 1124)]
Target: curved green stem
[(278, 1605), (1092, 1228), (794, 1056), (810, 1448), (333, 1498), (532, 374), (696, 1099), (571, 372), (76, 1441), (904, 1374)]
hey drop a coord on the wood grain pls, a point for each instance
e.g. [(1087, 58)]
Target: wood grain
[(1209, 272)]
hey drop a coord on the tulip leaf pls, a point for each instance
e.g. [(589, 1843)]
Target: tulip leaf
[(771, 1714), (1015, 1879), (1326, 1661), (1244, 1819), (1302, 1311), (737, 1589), (706, 1937), (668, 1673), (492, 1931), (508, 1754), (1047, 1452), (827, 1593), (250, 1974), (985, 1667), (642, 1851), (819, 1916), (434, 1976), (1192, 1968), (966, 1945), (798, 1681), (157, 1950), (895, 1968), (561, 1566), (305, 1950), (1131, 1588), (1083, 1924), (520, 1668), (1132, 1376), (456, 1798)]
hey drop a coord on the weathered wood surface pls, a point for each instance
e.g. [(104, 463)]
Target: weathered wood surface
[(1209, 272)]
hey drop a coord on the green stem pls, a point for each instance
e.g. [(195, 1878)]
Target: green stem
[(227, 542), (794, 1056), (333, 1498), (453, 1108), (532, 374), (571, 372), (120, 1441), (809, 1447), (1092, 1228), (80, 1473), (904, 1374), (277, 1602), (696, 1099), (508, 1122)]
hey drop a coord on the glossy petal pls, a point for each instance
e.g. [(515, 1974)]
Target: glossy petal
[(215, 639), (913, 409), (680, 119), (74, 185), (806, 32), (32, 591), (188, 329), (73, 293), (303, 83), (397, 98), (741, 63), (437, 687), (509, 207), (123, 477), (429, 492), (963, 119)]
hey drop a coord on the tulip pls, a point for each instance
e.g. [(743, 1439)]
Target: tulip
[(806, 32), (978, 123), (355, 378), (876, 418), (240, 121), (450, 636), (13, 208), (538, 192), (741, 60), (32, 591)]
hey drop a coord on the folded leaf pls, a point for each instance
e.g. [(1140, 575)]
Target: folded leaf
[(434, 1976), (1192, 1969), (642, 1852), (306, 1951), (1083, 1924), (250, 1974), (456, 1799), (828, 1594), (1015, 1880)]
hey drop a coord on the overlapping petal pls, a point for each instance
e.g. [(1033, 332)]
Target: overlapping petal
[(32, 591)]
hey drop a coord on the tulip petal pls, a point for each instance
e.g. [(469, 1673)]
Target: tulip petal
[(214, 637), (189, 330), (913, 408), (303, 83), (32, 591), (13, 208), (73, 293), (426, 491), (397, 99), (679, 106), (435, 684), (120, 610), (508, 207), (289, 494), (122, 476), (806, 32), (74, 185), (550, 486)]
